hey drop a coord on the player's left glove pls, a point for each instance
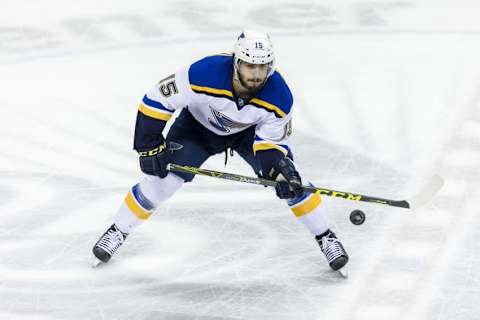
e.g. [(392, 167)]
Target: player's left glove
[(291, 187), (154, 161)]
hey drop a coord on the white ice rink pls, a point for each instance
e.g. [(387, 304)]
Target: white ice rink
[(387, 93)]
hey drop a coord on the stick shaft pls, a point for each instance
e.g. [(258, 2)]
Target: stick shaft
[(270, 183)]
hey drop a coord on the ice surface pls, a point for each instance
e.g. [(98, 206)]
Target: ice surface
[(386, 94)]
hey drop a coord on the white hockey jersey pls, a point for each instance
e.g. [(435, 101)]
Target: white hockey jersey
[(205, 88)]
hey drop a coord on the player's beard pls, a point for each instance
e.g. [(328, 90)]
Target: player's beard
[(251, 84)]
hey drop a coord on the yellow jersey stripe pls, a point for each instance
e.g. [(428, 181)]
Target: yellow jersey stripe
[(307, 206), (212, 90), (135, 208), (153, 113), (268, 146), (269, 106)]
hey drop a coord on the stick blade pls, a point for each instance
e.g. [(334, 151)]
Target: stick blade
[(427, 192)]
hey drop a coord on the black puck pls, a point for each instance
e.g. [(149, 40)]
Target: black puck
[(357, 217)]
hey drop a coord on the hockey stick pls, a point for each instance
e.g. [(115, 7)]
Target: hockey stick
[(425, 194)]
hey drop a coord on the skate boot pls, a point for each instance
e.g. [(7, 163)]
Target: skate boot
[(108, 243), (333, 249)]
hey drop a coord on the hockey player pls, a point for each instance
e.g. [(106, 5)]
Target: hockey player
[(237, 102)]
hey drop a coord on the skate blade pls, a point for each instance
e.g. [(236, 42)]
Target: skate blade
[(343, 272), (96, 263)]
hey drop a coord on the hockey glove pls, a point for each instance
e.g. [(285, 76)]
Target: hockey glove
[(291, 187), (154, 162)]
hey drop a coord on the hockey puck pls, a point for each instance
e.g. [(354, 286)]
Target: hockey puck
[(357, 217)]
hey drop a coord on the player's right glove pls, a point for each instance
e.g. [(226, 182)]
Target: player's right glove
[(154, 161), (291, 187)]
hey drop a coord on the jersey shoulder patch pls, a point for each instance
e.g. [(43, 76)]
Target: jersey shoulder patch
[(212, 75), (275, 96)]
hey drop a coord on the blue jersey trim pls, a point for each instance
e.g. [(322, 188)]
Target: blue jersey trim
[(212, 76), (155, 104), (277, 92), (213, 72)]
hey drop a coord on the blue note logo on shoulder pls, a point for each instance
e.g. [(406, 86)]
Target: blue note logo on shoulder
[(223, 123)]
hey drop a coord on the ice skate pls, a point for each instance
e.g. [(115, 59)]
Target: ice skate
[(107, 245), (333, 249)]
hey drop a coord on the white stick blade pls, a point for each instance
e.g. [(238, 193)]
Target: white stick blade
[(427, 192)]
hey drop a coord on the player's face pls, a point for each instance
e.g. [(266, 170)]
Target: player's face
[(252, 76)]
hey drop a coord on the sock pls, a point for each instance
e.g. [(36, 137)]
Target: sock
[(143, 198), (135, 209), (309, 212)]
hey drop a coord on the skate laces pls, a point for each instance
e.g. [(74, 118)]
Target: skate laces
[(332, 248), (111, 240)]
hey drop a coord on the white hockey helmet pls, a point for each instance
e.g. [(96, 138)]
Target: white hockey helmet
[(254, 47)]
